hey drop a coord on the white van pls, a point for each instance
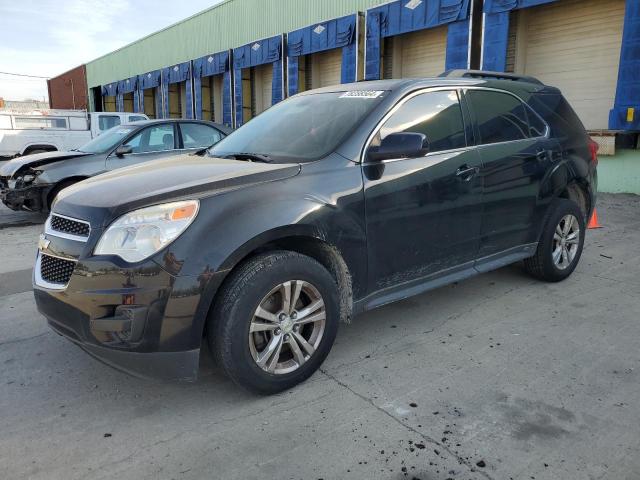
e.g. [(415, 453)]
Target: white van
[(50, 130)]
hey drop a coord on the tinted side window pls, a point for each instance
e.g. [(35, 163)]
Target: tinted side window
[(196, 135), (537, 127), (105, 122), (558, 114), (501, 117), (435, 114), (153, 139)]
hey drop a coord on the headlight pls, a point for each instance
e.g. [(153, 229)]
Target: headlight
[(141, 233)]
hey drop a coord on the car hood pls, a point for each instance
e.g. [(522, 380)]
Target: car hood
[(105, 197), (15, 165)]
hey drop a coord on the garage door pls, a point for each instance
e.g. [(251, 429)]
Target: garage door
[(110, 104), (421, 54), (326, 68), (261, 85), (575, 46)]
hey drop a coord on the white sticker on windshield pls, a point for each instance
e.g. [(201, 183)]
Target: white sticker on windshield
[(362, 94)]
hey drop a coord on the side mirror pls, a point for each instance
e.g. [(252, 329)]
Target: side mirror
[(123, 150), (400, 145)]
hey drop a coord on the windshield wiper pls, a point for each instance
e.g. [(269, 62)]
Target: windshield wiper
[(252, 157)]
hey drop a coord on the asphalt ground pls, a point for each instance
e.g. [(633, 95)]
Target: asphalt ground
[(497, 377)]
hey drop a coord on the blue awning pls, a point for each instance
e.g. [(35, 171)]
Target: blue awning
[(337, 33), (128, 85), (261, 52), (149, 80), (501, 6), (402, 16), (110, 90), (180, 72), (258, 53), (214, 64), (320, 37)]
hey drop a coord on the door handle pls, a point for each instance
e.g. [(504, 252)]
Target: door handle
[(542, 155), (466, 173)]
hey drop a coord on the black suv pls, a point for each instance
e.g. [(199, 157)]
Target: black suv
[(329, 204)]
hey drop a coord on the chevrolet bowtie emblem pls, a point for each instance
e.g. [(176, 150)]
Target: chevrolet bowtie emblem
[(43, 243)]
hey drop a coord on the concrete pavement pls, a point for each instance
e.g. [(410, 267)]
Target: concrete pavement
[(497, 377)]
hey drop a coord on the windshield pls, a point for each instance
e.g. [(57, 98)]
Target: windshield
[(107, 140), (300, 129)]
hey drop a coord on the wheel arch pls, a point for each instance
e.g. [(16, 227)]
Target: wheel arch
[(303, 239), (62, 184), (49, 147)]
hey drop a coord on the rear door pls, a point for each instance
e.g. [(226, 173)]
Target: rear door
[(151, 143), (196, 136), (515, 155)]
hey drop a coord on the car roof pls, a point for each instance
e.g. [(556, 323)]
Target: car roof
[(406, 84)]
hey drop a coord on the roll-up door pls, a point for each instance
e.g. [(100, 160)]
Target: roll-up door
[(261, 88), (110, 104), (574, 45), (326, 68), (128, 102), (415, 55), (149, 101), (207, 103), (175, 101), (216, 95)]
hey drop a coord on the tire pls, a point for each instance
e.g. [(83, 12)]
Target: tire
[(544, 265), (260, 282)]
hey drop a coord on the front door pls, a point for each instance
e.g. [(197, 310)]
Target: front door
[(423, 214), (152, 143), (515, 156)]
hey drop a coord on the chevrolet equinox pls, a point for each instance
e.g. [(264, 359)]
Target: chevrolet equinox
[(329, 204)]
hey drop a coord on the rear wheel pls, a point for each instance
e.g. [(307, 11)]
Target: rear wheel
[(275, 322), (561, 244)]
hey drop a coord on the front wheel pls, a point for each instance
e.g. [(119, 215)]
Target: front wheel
[(275, 322), (561, 244)]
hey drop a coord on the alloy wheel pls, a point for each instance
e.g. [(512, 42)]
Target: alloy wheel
[(566, 242), (287, 327)]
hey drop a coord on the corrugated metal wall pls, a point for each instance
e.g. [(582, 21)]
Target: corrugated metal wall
[(227, 25)]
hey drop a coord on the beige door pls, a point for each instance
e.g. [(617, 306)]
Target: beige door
[(416, 55), (150, 102), (574, 45), (110, 104), (175, 101), (207, 105), (261, 88), (128, 102), (326, 68)]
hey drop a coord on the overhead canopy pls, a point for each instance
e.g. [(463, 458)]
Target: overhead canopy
[(261, 52), (402, 16)]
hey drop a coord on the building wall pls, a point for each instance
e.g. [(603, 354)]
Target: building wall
[(227, 25), (69, 90)]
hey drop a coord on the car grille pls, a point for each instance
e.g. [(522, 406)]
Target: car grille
[(69, 226), (56, 270)]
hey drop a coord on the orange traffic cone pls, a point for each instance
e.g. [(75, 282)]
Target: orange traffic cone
[(593, 223)]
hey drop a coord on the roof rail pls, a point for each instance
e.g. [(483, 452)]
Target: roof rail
[(490, 75)]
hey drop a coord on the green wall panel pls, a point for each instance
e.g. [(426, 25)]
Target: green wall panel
[(620, 173), (227, 25)]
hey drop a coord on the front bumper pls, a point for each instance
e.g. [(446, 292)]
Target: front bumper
[(28, 198)]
